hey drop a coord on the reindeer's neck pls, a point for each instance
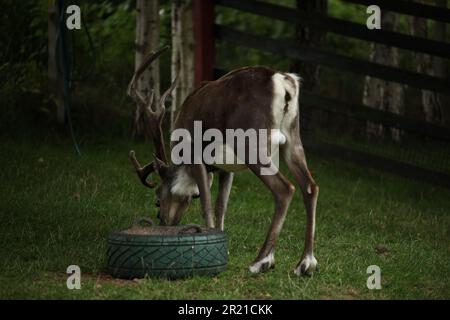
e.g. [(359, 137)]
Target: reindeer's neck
[(183, 183)]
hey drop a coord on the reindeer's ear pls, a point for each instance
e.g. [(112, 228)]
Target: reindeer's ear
[(161, 167)]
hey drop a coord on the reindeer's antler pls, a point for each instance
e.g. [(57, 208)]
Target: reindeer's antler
[(142, 172), (155, 111), (132, 90)]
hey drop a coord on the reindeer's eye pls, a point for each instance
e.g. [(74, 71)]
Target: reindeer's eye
[(157, 203)]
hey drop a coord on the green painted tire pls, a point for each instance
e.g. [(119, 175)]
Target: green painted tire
[(173, 255)]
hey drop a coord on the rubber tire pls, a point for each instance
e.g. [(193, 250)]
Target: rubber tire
[(169, 256)]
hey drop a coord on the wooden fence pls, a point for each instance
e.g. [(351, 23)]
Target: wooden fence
[(207, 33)]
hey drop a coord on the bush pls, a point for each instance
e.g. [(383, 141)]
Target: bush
[(23, 79)]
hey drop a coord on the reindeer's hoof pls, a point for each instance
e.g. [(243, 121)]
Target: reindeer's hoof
[(264, 264), (307, 266)]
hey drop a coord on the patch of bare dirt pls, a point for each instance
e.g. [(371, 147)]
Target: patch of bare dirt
[(99, 279)]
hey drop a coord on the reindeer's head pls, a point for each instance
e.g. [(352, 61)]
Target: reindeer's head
[(171, 204), (172, 196)]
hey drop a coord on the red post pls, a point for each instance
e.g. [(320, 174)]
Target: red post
[(204, 52)]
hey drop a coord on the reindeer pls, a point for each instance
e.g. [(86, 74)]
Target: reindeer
[(251, 97)]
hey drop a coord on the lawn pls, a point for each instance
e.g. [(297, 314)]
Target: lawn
[(57, 209)]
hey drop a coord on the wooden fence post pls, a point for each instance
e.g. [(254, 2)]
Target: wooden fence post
[(204, 52)]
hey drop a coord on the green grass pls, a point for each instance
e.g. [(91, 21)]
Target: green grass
[(57, 210)]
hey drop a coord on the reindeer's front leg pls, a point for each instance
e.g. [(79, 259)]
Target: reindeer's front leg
[(225, 183), (200, 175)]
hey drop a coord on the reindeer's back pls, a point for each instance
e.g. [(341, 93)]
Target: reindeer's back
[(239, 99)]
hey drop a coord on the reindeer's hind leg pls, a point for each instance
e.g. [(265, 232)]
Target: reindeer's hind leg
[(294, 157), (282, 191)]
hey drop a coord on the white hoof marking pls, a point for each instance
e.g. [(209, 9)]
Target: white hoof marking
[(263, 264), (307, 266)]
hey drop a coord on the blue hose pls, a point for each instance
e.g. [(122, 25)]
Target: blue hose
[(66, 70)]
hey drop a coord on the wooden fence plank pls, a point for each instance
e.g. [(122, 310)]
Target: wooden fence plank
[(378, 162), (409, 8), (288, 49), (204, 51), (339, 26), (362, 112)]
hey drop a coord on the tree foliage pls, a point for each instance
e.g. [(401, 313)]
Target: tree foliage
[(23, 55)]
